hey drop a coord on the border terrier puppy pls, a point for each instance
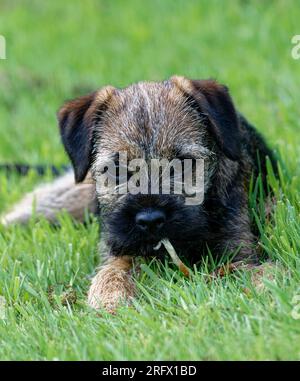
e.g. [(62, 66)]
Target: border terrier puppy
[(178, 118)]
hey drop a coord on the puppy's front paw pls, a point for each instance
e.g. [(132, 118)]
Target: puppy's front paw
[(112, 286)]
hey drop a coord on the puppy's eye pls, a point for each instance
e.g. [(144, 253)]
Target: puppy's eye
[(176, 173), (104, 170), (110, 171), (188, 163)]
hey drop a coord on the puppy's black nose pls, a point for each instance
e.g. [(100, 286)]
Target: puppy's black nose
[(150, 220)]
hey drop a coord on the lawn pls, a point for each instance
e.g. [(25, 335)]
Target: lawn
[(58, 50)]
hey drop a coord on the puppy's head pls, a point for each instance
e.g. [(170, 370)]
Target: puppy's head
[(175, 119)]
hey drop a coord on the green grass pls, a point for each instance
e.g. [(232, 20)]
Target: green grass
[(58, 50)]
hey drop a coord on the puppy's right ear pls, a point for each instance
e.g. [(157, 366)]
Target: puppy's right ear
[(77, 120), (213, 102)]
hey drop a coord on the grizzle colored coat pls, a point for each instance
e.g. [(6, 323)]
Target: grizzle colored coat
[(177, 118)]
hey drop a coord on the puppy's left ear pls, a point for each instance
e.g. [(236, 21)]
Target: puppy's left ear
[(214, 104), (77, 119)]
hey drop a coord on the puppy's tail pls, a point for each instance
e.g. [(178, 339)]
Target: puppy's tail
[(40, 169)]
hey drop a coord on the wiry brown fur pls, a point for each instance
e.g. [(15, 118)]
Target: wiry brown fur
[(112, 284), (175, 118), (48, 200)]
